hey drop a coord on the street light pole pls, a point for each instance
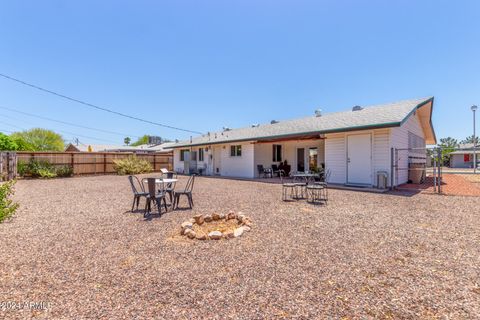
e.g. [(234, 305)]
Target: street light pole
[(474, 108)]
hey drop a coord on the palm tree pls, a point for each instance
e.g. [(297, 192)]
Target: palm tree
[(127, 140)]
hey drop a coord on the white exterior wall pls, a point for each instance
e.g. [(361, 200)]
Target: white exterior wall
[(457, 161), (242, 166), (179, 166), (264, 153), (336, 154), (399, 140)]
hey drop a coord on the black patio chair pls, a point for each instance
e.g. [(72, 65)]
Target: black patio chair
[(187, 192), (264, 172), (138, 191), (276, 170), (287, 187), (170, 187), (324, 184), (155, 196)]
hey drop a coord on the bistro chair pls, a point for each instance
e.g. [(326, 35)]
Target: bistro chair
[(289, 189), (155, 196), (187, 192), (264, 172), (170, 187), (138, 191), (276, 170)]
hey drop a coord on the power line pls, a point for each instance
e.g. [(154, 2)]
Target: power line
[(69, 123), (95, 106), (62, 131)]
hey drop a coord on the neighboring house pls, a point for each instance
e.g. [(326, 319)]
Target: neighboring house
[(144, 148), (354, 145), (463, 156)]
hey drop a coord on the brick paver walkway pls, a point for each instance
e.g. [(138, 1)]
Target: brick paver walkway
[(452, 184)]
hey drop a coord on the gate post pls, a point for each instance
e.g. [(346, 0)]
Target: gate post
[(392, 165), (440, 170)]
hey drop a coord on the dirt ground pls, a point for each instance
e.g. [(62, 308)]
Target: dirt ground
[(76, 250)]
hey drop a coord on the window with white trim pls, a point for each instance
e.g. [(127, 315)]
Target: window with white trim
[(236, 151), (277, 153)]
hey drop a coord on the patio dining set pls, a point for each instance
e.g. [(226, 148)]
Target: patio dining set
[(311, 186), (161, 191)]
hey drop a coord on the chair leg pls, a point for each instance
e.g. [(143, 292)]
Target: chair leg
[(191, 199), (138, 202), (133, 204), (165, 204)]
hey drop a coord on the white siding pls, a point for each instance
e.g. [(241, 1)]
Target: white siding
[(336, 157), (399, 140), (381, 153), (242, 166)]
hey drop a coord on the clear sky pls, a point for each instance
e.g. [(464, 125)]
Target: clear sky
[(202, 65)]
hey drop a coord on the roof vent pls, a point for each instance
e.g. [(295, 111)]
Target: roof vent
[(255, 125), (274, 121), (357, 108), (226, 129), (318, 113)]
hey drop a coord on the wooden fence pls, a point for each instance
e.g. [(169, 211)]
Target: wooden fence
[(95, 162), (8, 165)]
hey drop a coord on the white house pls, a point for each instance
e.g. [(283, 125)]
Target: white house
[(354, 145), (463, 157)]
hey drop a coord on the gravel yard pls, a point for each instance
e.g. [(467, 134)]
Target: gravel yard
[(74, 245)]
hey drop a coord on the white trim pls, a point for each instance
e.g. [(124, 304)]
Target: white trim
[(369, 133)]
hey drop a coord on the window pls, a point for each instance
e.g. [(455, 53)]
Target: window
[(236, 151), (182, 154), (312, 159), (200, 154), (277, 153)]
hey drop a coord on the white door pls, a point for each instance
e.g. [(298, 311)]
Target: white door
[(217, 160), (359, 159)]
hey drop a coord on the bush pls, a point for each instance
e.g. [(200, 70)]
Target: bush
[(132, 165), (64, 171), (36, 169), (7, 206)]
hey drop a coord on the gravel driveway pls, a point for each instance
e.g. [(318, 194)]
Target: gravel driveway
[(74, 246)]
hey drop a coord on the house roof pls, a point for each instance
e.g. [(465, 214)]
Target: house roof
[(370, 117)]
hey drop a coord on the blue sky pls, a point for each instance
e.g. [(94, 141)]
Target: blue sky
[(201, 65)]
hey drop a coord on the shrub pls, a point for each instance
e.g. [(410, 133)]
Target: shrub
[(7, 206), (132, 165), (64, 171), (36, 169)]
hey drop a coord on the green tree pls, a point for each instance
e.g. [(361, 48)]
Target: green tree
[(127, 140), (470, 140), (7, 143), (448, 145), (142, 140), (39, 139)]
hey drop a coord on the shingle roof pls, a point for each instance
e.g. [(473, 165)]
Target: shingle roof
[(384, 115)]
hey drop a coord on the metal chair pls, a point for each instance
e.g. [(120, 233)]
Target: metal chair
[(324, 184), (138, 191), (287, 187), (155, 196), (170, 187), (187, 192), (276, 170), (263, 171)]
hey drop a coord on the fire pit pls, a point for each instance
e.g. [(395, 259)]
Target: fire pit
[(216, 226)]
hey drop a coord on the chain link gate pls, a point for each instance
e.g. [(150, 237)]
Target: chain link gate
[(417, 169)]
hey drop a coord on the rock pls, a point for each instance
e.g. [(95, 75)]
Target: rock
[(238, 232), (192, 220), (231, 215), (208, 218), (215, 235), (187, 225), (215, 216), (222, 216), (240, 218), (199, 219), (228, 234), (246, 228), (192, 234), (201, 237)]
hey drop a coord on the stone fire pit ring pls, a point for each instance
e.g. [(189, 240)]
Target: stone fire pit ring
[(203, 227)]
